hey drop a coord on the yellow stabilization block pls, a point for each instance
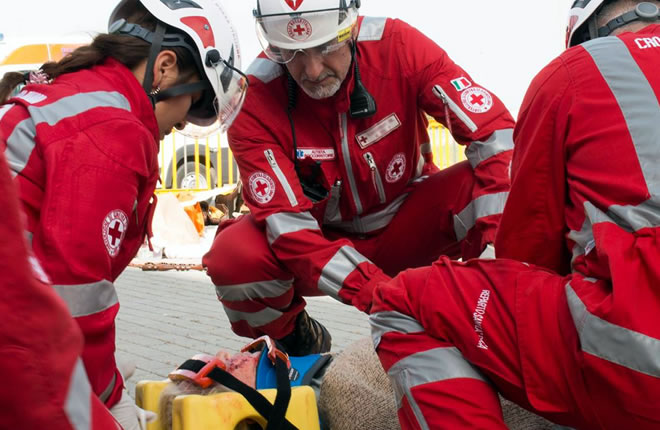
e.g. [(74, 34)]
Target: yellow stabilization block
[(224, 411)]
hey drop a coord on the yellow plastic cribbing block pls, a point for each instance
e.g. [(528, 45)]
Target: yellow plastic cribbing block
[(147, 394), (224, 411)]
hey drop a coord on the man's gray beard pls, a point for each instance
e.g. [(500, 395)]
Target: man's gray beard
[(323, 92)]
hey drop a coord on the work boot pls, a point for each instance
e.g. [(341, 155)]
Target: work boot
[(308, 337)]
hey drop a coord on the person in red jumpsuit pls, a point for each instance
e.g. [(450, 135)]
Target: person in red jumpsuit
[(567, 325), (81, 140), (44, 381), (334, 155)]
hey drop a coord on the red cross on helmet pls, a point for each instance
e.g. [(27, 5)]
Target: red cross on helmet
[(214, 47), (285, 27)]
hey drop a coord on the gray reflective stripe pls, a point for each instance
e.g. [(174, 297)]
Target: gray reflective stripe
[(427, 367), (636, 99), (76, 104), (254, 319), (614, 343), (21, 142), (77, 406), (337, 270), (498, 142), (88, 299), (388, 322), (371, 222), (287, 223), (253, 290), (635, 218), (20, 145), (584, 239), (108, 390), (420, 167), (372, 28), (4, 109), (490, 204), (345, 148), (270, 157), (426, 148), (265, 70)]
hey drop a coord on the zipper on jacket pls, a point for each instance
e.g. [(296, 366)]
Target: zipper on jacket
[(346, 152), (280, 176), (449, 103), (375, 176)]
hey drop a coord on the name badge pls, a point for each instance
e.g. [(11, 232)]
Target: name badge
[(378, 131), (318, 154)]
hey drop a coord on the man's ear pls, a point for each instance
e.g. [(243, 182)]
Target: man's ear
[(165, 68)]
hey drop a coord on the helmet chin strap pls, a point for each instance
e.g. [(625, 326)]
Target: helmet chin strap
[(148, 81), (175, 91), (645, 11)]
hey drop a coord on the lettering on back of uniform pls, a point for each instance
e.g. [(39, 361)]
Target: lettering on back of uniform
[(378, 131)]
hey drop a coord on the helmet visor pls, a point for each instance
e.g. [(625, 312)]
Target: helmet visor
[(283, 35), (224, 101)]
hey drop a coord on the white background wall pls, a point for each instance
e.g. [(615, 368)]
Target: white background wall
[(501, 43)]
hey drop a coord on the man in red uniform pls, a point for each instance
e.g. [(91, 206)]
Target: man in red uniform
[(578, 344), (334, 154), (44, 381)]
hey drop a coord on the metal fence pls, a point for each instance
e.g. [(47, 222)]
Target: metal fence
[(205, 164)]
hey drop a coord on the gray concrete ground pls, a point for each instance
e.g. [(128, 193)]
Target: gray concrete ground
[(167, 317)]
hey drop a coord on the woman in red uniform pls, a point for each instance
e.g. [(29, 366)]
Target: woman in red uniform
[(81, 140)]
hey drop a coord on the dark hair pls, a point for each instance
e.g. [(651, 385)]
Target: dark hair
[(128, 50)]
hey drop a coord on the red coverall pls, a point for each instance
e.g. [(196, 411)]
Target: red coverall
[(581, 348), (44, 384), (84, 154), (383, 213)]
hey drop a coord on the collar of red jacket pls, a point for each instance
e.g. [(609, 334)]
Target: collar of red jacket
[(125, 82)]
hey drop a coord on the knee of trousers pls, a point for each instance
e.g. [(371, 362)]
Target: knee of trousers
[(241, 255)]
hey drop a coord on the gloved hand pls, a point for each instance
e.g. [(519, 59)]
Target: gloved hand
[(130, 415), (488, 253)]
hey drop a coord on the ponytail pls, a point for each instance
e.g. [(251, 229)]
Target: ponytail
[(128, 50)]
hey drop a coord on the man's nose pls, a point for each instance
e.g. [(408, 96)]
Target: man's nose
[(313, 65)]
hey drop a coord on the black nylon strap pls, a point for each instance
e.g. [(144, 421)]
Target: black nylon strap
[(274, 414), (277, 418), (178, 90), (153, 53)]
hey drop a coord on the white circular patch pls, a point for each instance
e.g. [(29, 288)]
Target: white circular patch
[(477, 100), (262, 187), (396, 168), (299, 29), (115, 225)]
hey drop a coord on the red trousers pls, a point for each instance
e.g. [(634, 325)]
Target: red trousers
[(261, 296), (453, 335)]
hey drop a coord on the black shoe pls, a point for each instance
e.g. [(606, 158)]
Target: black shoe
[(308, 337)]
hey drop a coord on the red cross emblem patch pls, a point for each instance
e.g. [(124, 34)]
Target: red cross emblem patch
[(477, 100), (115, 225), (396, 168), (299, 29), (262, 187)]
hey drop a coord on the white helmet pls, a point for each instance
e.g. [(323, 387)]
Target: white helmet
[(285, 27), (582, 28), (215, 49)]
